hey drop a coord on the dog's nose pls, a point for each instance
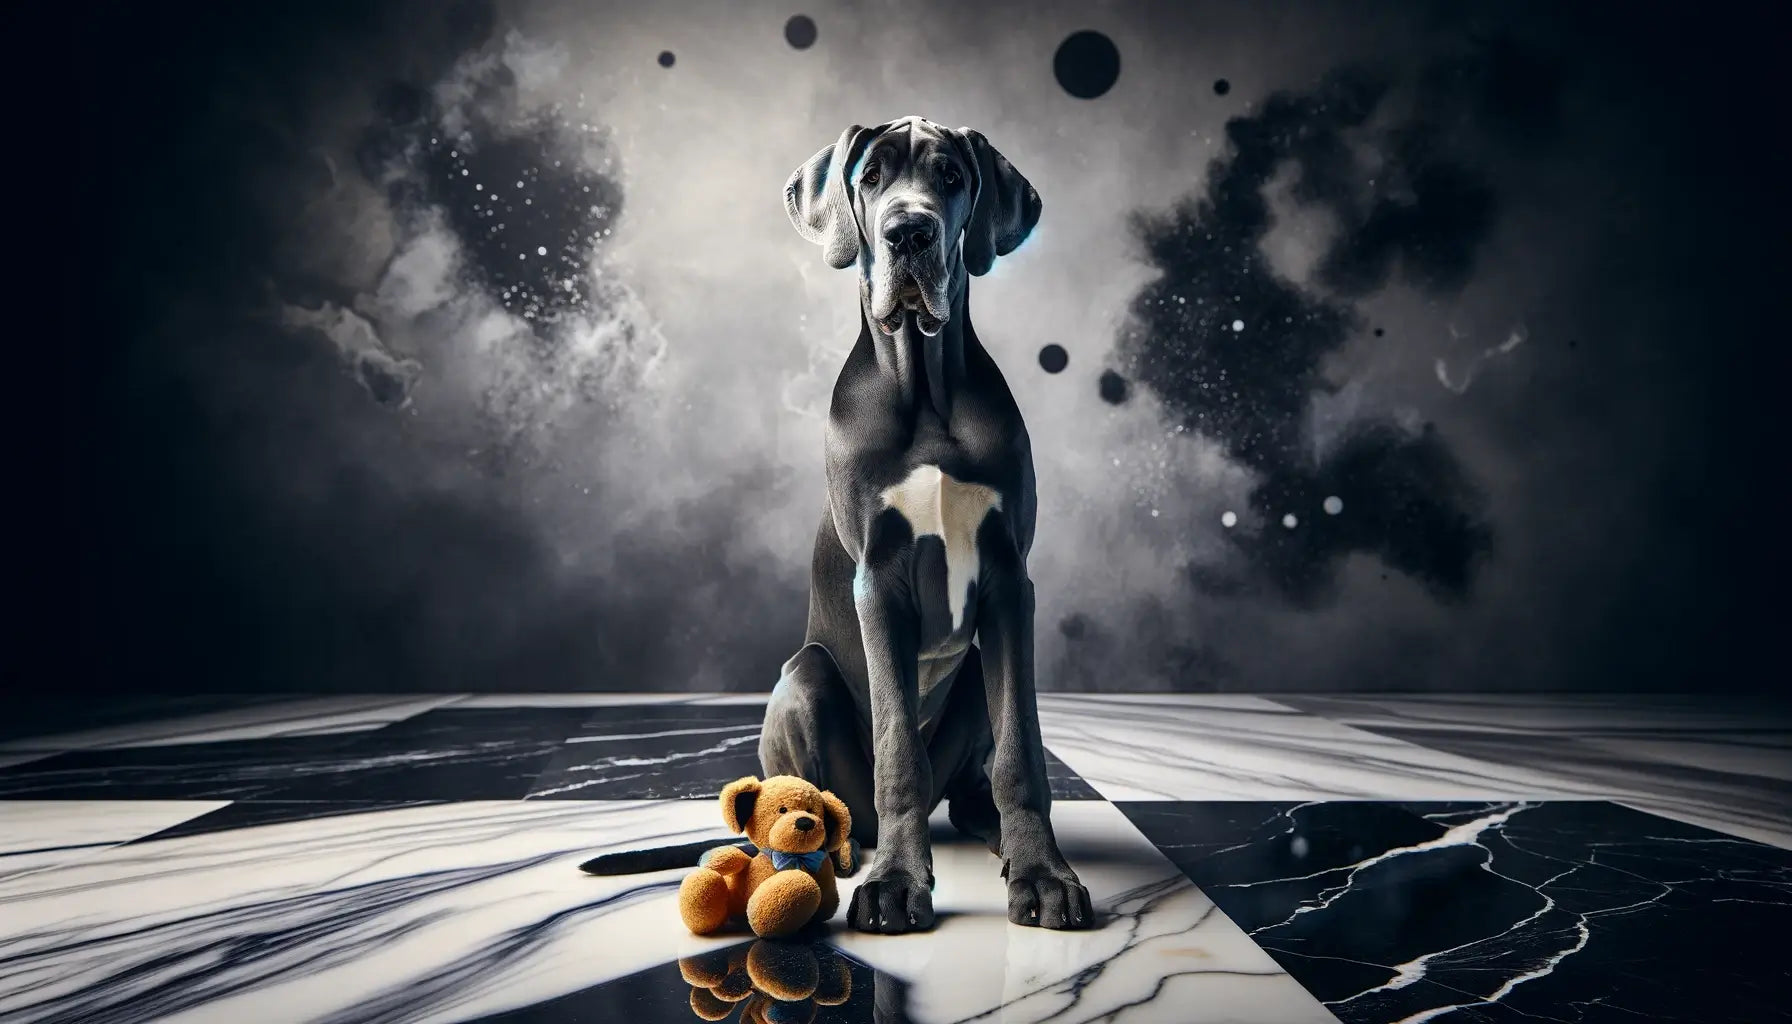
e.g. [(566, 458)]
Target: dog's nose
[(805, 824), (908, 232)]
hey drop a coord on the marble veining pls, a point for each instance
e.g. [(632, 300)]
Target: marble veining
[(655, 752), (1560, 911)]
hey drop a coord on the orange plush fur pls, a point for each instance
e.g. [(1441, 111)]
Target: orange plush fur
[(782, 813)]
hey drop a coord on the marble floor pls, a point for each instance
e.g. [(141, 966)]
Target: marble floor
[(1280, 860)]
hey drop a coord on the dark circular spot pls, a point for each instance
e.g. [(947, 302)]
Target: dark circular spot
[(1087, 64), (1113, 387), (799, 31), (1379, 332), (1074, 626), (666, 58), (1053, 358), (1221, 87)]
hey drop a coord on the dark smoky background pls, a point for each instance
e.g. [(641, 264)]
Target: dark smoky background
[(461, 345)]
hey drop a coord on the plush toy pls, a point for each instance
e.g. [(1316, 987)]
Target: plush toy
[(773, 982), (790, 883)]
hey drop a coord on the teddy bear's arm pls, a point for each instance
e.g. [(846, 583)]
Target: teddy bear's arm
[(725, 860)]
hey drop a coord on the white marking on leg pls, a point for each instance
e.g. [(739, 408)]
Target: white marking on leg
[(937, 505)]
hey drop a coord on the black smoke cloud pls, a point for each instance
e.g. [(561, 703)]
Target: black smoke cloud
[(280, 490), (1235, 351)]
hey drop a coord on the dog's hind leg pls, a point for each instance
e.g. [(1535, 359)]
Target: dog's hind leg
[(813, 731), (960, 752)]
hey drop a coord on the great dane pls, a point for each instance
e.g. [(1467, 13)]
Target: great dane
[(915, 680)]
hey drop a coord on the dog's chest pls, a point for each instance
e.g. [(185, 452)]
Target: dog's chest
[(936, 505)]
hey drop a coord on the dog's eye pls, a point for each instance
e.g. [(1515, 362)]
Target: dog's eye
[(951, 177), (871, 176), (783, 810)]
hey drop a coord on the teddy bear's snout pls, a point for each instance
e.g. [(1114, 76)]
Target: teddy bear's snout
[(805, 824)]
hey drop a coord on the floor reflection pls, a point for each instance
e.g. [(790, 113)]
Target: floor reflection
[(764, 981)]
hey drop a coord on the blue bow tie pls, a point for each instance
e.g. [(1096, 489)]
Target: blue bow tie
[(807, 861)]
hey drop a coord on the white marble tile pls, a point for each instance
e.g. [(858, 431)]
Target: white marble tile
[(416, 914), (35, 834), (1721, 763), (1233, 747), (1161, 949), (603, 700), (304, 717), (451, 912)]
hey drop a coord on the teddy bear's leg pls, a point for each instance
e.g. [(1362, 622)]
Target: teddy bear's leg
[(783, 903), (703, 901)]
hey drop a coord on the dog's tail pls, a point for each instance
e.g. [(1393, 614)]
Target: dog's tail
[(659, 858)]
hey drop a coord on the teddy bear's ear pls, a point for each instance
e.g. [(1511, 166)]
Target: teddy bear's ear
[(738, 798), (838, 819)]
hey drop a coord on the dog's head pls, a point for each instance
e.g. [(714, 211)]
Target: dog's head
[(785, 813), (906, 201)]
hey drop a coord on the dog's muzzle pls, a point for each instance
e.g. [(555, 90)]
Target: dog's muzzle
[(917, 272)]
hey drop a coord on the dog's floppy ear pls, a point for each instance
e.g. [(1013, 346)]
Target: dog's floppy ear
[(838, 820), (818, 197), (738, 798), (1007, 206)]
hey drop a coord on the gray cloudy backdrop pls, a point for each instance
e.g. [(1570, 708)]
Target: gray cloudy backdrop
[(1501, 273)]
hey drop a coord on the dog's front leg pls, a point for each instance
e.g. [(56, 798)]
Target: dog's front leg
[(896, 896), (1042, 887)]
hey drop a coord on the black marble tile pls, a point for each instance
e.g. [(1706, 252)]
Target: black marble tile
[(685, 752), (779, 981), (230, 770), (443, 754), (255, 813), (1562, 911), (655, 752)]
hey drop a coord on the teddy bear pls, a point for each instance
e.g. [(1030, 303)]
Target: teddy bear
[(790, 882), (773, 982)]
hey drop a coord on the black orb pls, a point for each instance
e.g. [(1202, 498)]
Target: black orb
[(1379, 332), (1053, 358), (1087, 64), (799, 31), (1222, 87), (1113, 387), (666, 58)]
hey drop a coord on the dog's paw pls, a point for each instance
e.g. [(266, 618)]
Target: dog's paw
[(891, 902), (1047, 895)]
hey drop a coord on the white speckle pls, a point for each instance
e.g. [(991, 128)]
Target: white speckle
[(1228, 519), (463, 172), (519, 184), (1334, 505), (541, 250), (1154, 513), (1289, 521), (1238, 325), (522, 255), (478, 187), (1298, 846)]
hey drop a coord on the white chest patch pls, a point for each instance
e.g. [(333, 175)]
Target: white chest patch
[(937, 505)]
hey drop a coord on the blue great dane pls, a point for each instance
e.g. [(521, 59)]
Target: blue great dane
[(915, 682)]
